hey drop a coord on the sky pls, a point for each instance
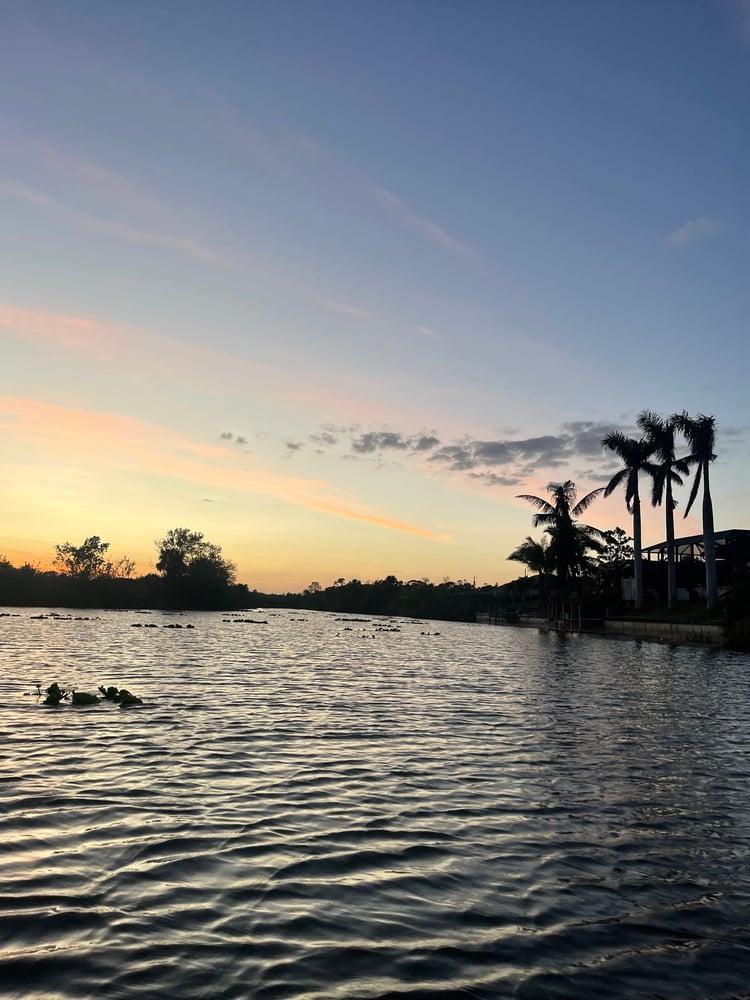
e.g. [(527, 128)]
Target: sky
[(334, 282)]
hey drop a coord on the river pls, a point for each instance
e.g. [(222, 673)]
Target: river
[(310, 807)]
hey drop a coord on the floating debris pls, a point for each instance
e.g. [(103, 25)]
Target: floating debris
[(84, 698), (55, 694), (120, 696)]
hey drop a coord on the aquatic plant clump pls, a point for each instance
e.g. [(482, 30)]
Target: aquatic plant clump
[(121, 696), (55, 694)]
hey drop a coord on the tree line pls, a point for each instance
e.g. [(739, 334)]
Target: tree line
[(192, 573), (566, 553)]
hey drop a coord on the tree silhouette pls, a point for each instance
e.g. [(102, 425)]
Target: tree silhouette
[(634, 454), (570, 541), (665, 473), (86, 561), (700, 434), (537, 556), (195, 571)]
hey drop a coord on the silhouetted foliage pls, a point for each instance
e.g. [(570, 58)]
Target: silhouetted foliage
[(700, 434), (613, 562), (666, 472), (196, 574), (634, 455), (570, 541)]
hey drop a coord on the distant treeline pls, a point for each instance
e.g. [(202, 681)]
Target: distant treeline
[(26, 586), (446, 601)]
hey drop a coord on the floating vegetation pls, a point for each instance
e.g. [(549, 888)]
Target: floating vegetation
[(55, 695), (54, 616), (84, 698), (121, 696)]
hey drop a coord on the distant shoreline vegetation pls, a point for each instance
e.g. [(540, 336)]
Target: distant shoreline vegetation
[(193, 575)]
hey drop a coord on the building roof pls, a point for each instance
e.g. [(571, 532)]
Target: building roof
[(721, 538)]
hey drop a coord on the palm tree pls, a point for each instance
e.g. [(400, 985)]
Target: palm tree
[(700, 434), (666, 473), (634, 455), (569, 540), (535, 555), (538, 558)]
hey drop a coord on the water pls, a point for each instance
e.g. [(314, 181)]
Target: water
[(317, 808)]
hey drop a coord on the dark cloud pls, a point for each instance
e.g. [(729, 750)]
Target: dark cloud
[(326, 438), (503, 461), (458, 457), (294, 446), (236, 439), (379, 441), (542, 451), (586, 436), (492, 479), (424, 443)]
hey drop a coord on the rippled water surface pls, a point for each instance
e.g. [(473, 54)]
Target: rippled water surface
[(318, 808)]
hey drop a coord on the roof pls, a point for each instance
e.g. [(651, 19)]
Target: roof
[(720, 537)]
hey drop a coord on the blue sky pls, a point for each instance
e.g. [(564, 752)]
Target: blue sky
[(333, 282)]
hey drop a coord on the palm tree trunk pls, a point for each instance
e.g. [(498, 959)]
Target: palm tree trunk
[(637, 557), (709, 545), (671, 567)]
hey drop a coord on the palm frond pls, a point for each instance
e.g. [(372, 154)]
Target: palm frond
[(694, 489), (586, 502), (615, 481), (539, 502)]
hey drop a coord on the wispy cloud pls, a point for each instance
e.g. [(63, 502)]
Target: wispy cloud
[(355, 312), (427, 331), (696, 230), (68, 440), (112, 227), (428, 230), (203, 368), (284, 152)]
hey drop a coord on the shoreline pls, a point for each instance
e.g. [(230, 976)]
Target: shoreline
[(681, 633)]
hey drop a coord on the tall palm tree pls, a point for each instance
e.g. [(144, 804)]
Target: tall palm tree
[(665, 473), (569, 540), (700, 434), (634, 454)]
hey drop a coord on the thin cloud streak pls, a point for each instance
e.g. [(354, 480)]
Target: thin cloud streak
[(695, 231), (285, 152), (195, 366), (112, 227), (355, 312), (429, 231), (75, 438)]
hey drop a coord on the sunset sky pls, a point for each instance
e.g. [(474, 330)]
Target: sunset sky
[(332, 282)]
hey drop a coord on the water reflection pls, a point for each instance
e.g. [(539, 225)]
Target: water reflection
[(300, 811)]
